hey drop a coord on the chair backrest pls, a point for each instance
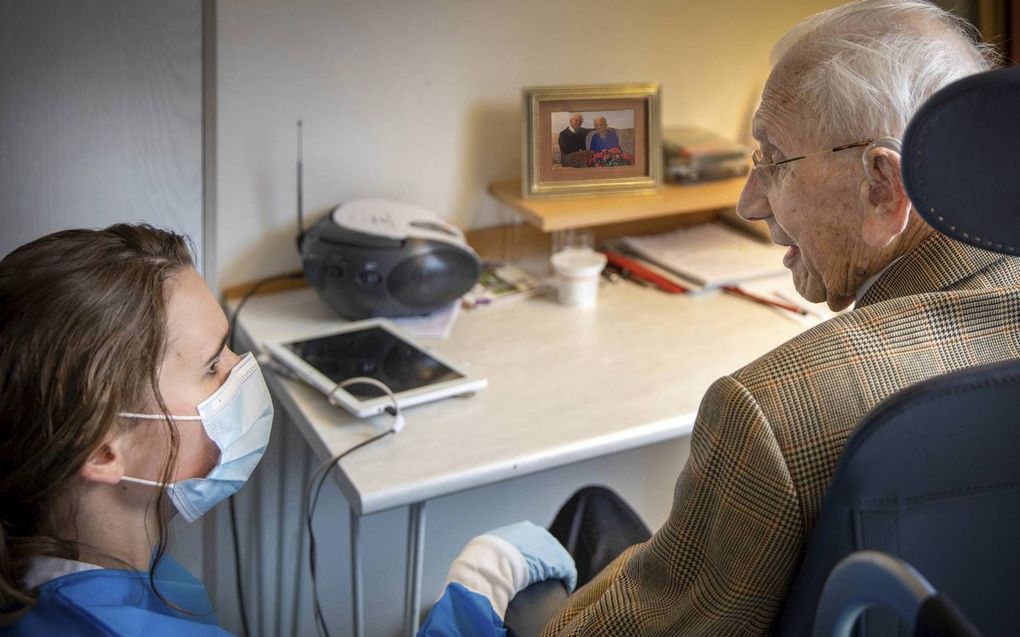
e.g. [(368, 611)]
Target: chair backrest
[(960, 160), (932, 476)]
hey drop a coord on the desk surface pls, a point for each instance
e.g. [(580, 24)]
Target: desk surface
[(565, 385)]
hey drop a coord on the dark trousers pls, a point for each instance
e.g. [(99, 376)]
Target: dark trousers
[(595, 525)]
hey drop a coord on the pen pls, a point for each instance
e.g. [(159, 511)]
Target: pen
[(640, 272), (734, 290), (810, 310), (616, 274)]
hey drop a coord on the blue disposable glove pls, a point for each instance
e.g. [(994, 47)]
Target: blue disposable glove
[(501, 563), (544, 555)]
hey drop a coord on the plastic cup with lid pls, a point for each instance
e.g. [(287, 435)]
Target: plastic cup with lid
[(577, 274)]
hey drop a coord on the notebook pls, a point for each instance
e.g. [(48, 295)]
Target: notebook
[(711, 255)]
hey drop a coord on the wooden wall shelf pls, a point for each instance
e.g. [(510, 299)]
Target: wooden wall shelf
[(550, 214)]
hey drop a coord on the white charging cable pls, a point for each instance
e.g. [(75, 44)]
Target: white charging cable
[(398, 418), (267, 361)]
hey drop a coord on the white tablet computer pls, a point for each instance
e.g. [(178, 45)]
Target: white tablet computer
[(378, 349)]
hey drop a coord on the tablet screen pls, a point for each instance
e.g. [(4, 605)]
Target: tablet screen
[(374, 352)]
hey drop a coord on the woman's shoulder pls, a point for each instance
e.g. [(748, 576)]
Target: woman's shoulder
[(115, 602)]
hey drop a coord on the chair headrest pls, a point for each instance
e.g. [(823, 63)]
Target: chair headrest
[(961, 160)]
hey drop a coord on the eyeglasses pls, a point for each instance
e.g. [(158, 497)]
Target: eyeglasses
[(767, 169)]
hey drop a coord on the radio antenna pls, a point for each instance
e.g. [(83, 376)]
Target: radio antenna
[(300, 188)]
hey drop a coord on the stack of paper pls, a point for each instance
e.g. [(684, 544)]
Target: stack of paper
[(695, 154), (710, 255)]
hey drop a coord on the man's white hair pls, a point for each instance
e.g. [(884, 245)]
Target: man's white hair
[(868, 65)]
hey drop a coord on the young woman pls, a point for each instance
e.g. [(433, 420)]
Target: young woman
[(121, 406)]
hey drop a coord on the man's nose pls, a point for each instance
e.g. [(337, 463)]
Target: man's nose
[(753, 204)]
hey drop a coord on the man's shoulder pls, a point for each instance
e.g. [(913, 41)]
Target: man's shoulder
[(839, 369), (814, 389), (891, 326)]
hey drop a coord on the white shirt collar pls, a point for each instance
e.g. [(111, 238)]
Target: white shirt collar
[(45, 568), (861, 291)]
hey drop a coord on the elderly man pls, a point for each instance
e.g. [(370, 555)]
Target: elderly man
[(572, 141), (767, 437)]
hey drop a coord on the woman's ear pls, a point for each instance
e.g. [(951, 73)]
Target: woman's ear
[(885, 202), (105, 464)]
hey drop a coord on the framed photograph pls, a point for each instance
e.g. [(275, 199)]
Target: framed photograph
[(587, 140)]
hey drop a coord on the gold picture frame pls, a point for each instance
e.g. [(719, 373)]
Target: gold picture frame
[(616, 148)]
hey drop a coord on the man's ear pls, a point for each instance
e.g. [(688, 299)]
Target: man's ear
[(105, 464), (885, 202)]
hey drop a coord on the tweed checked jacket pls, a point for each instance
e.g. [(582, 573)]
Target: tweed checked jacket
[(767, 438)]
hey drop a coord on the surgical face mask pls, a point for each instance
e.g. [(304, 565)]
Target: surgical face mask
[(238, 418)]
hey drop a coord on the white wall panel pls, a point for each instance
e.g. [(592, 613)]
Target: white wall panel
[(100, 116)]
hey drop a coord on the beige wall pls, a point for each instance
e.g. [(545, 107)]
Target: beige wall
[(419, 100)]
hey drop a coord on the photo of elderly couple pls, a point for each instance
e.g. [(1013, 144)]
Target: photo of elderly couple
[(596, 139)]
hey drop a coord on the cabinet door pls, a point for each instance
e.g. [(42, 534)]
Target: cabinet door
[(100, 116)]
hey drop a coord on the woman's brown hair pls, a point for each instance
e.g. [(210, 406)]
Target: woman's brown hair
[(82, 336)]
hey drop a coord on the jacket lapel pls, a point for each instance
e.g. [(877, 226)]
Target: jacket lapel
[(938, 263)]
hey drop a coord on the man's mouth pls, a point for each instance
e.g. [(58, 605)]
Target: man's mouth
[(790, 256)]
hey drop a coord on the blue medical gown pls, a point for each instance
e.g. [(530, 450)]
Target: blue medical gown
[(461, 612), (120, 602)]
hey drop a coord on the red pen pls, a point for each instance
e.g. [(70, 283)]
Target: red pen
[(638, 270), (764, 301)]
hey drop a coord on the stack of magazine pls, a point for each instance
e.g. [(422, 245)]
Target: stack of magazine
[(694, 154), (499, 283)]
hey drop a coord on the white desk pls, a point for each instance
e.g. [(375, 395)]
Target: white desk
[(564, 385)]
